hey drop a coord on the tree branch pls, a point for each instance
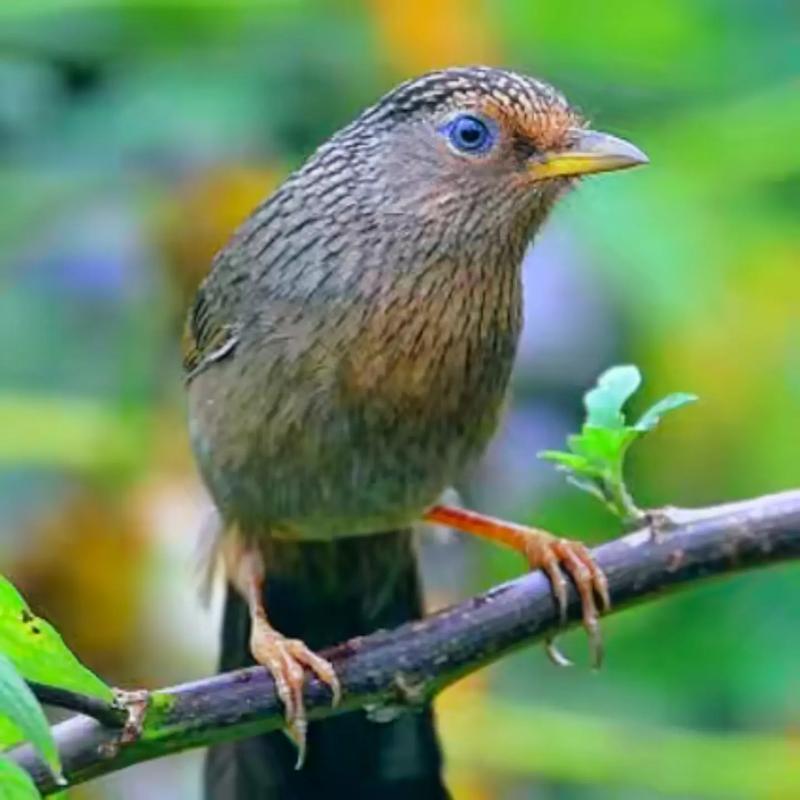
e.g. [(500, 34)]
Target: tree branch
[(105, 713), (388, 670)]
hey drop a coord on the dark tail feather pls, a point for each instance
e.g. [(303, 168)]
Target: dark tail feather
[(325, 593)]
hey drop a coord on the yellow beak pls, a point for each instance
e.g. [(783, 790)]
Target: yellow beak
[(591, 152)]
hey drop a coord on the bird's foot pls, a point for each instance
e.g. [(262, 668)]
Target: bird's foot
[(550, 553), (555, 556), (286, 660)]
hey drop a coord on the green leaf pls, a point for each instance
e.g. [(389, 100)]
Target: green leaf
[(604, 403), (38, 652), (10, 734), (653, 415), (570, 461), (15, 783), (22, 709), (597, 458), (588, 485), (602, 446)]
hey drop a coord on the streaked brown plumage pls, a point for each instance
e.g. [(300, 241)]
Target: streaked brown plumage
[(350, 351)]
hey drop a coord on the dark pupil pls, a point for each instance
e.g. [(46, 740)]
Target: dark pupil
[(470, 132)]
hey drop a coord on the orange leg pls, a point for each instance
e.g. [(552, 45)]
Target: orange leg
[(284, 658), (549, 553)]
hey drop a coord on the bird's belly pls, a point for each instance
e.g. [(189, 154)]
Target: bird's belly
[(349, 440), (345, 478), (335, 469)]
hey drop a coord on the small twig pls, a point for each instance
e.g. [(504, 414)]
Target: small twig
[(107, 714), (388, 668)]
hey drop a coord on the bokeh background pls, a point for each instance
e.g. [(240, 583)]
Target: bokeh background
[(134, 136)]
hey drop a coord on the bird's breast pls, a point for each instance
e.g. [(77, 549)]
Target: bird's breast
[(438, 347), (356, 418)]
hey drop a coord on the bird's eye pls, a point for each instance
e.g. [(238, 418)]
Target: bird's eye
[(469, 134)]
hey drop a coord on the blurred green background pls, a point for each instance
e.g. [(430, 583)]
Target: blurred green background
[(134, 136)]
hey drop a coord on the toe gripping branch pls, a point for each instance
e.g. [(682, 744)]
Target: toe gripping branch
[(286, 660), (552, 554)]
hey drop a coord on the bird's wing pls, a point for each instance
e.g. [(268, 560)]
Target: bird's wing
[(209, 334)]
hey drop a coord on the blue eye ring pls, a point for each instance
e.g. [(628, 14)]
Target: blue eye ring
[(470, 134)]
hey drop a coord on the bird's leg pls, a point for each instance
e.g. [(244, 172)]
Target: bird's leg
[(543, 551), (284, 658)]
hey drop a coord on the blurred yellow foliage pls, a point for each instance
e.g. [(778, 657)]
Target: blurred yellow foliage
[(84, 573), (203, 212), (418, 35), (464, 782), (749, 340)]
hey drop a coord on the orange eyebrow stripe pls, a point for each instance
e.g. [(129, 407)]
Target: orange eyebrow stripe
[(545, 125)]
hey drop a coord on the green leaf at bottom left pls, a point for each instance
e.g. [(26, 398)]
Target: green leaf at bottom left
[(15, 783), (19, 706), (38, 652)]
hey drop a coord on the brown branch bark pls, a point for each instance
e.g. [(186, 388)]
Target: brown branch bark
[(389, 670)]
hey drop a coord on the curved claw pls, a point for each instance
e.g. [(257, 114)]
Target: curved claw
[(598, 577), (556, 556), (557, 581), (285, 660), (297, 731), (320, 666), (582, 576), (555, 654)]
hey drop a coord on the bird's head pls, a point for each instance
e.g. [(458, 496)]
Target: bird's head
[(478, 146)]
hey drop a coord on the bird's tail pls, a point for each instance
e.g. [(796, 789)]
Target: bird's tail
[(325, 593)]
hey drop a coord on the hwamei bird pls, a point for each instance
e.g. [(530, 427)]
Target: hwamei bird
[(347, 356)]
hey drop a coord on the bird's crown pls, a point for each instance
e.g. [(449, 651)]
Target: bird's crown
[(515, 101)]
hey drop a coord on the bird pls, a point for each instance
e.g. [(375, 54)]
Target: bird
[(346, 358)]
